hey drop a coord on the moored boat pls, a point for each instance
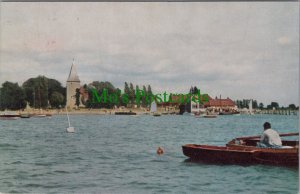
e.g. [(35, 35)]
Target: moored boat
[(229, 113), (153, 109), (210, 116), (8, 116), (125, 113), (25, 115), (39, 115)]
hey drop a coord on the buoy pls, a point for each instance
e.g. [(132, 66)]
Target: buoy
[(159, 151)]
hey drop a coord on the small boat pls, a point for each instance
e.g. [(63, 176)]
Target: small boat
[(153, 109), (9, 116), (25, 116), (210, 116), (156, 114), (125, 113), (243, 151), (69, 129), (229, 113), (39, 115)]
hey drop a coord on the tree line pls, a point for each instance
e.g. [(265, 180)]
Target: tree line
[(255, 105), (42, 92), (129, 92), (39, 92)]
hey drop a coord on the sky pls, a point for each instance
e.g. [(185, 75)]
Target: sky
[(241, 50)]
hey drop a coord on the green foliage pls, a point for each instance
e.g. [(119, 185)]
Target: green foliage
[(149, 91), (254, 104), (131, 94), (144, 100), (126, 89), (292, 107), (194, 90), (77, 97), (274, 105), (57, 100), (40, 89), (12, 96), (102, 87)]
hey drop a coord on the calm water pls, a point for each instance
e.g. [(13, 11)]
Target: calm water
[(117, 154)]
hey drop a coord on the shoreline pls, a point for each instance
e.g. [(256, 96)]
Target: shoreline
[(84, 111)]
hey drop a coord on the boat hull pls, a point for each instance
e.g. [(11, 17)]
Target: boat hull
[(9, 117), (217, 154), (125, 113), (241, 155)]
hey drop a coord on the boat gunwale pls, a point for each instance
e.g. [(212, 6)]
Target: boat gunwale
[(241, 148)]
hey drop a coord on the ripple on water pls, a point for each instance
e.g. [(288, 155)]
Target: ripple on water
[(112, 154)]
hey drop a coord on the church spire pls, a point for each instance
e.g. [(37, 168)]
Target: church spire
[(73, 77)]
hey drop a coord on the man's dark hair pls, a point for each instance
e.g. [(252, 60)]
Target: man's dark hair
[(267, 125)]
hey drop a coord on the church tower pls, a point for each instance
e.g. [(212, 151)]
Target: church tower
[(73, 83)]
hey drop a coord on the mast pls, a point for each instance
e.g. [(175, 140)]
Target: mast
[(68, 117)]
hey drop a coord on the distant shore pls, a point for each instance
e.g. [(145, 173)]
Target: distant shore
[(85, 111)]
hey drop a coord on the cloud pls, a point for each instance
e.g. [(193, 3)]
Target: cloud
[(226, 49)]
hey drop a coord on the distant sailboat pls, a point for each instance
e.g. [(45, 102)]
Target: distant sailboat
[(153, 109), (69, 129), (250, 107)]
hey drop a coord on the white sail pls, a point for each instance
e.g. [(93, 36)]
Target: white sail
[(69, 129), (153, 107), (250, 106)]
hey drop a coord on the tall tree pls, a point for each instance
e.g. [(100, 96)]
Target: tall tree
[(144, 101), (254, 104), (292, 107), (137, 89), (149, 90), (57, 100), (77, 97), (126, 89), (132, 93), (102, 89), (12, 96), (191, 90), (39, 90), (261, 105), (274, 105), (195, 90)]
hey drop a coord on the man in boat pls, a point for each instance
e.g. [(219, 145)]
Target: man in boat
[(270, 138)]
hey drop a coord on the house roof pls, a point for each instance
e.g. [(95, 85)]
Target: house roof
[(73, 77), (219, 102)]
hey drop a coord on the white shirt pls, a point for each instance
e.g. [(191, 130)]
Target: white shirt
[(271, 137)]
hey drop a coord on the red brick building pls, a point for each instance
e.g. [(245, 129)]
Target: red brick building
[(219, 103)]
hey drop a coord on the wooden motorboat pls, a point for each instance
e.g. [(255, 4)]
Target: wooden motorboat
[(217, 154), (244, 151)]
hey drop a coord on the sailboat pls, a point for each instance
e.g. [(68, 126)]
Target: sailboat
[(153, 109), (69, 129), (250, 107)]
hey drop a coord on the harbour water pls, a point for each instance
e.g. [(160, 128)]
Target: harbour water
[(117, 154)]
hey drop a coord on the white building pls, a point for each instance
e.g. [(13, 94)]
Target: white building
[(73, 83)]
